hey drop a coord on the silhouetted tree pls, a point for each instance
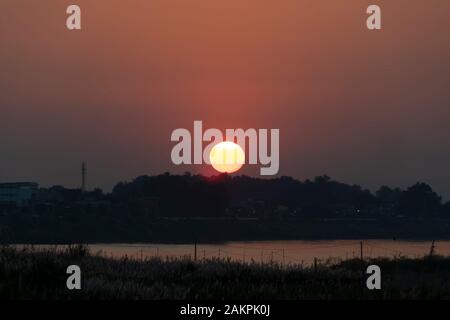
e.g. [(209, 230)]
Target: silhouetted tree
[(446, 210), (420, 200), (388, 200), (175, 195)]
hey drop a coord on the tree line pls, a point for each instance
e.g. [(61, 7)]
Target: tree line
[(187, 196), (196, 195)]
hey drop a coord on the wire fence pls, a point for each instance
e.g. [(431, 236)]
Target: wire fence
[(295, 252)]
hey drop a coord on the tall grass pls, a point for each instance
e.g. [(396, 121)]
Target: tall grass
[(30, 273)]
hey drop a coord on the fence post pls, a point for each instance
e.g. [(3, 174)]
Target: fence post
[(432, 249), (195, 250), (361, 250)]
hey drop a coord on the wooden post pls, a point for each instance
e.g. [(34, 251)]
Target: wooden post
[(315, 264), (432, 249), (361, 250), (195, 250)]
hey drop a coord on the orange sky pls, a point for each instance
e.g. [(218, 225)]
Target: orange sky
[(364, 107)]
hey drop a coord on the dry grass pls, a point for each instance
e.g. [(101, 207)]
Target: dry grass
[(28, 273)]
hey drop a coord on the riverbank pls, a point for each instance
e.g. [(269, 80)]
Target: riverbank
[(33, 274), (219, 230)]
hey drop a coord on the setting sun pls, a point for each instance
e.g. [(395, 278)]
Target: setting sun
[(227, 157)]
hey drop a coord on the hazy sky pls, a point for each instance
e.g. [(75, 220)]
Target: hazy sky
[(364, 107)]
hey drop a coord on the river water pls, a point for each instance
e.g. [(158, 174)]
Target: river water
[(285, 252)]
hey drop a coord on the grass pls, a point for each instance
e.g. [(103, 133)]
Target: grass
[(27, 273)]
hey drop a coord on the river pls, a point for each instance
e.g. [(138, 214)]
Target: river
[(285, 252)]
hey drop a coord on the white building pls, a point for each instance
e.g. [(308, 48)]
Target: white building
[(17, 193)]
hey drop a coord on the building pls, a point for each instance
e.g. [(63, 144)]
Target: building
[(17, 193)]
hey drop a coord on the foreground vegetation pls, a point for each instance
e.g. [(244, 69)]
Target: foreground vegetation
[(28, 273)]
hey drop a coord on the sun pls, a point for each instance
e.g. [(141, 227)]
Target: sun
[(227, 157)]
